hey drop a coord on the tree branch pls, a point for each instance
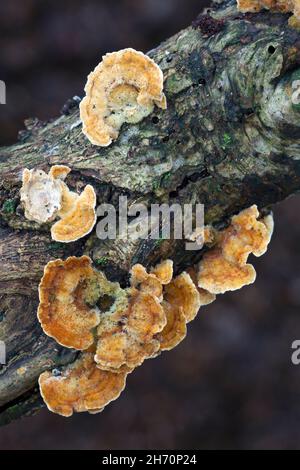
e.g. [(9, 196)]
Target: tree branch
[(229, 139)]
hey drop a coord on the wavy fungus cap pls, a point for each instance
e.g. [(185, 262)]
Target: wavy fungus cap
[(79, 221), (63, 312), (124, 87), (175, 330), (182, 292), (164, 271), (128, 336), (80, 387), (41, 194), (154, 281), (46, 197), (224, 267), (206, 298), (181, 304)]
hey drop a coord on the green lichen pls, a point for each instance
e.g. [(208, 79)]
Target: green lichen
[(9, 206), (55, 246), (227, 141), (156, 184), (166, 177), (103, 261)]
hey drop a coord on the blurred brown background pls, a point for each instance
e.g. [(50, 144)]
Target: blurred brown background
[(231, 383)]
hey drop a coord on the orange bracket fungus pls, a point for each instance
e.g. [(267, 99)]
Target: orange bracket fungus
[(128, 337), (183, 292), (283, 6), (118, 328), (46, 197), (175, 330), (80, 386), (77, 219), (181, 305), (224, 267), (124, 87), (63, 312)]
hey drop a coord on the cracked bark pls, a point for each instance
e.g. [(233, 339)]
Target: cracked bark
[(228, 139)]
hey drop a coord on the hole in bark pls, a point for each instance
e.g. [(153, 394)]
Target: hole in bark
[(202, 81), (105, 303), (271, 49), (155, 120), (166, 139)]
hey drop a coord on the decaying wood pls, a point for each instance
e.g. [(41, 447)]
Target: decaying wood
[(229, 138)]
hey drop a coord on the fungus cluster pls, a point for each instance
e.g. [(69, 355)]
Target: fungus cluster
[(224, 267), (283, 6), (116, 329), (46, 197), (124, 87)]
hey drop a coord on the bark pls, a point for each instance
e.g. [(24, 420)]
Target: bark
[(228, 139)]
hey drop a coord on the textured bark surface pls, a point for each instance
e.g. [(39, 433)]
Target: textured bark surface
[(230, 138)]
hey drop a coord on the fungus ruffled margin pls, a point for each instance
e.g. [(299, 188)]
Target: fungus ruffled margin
[(145, 319), (41, 193), (124, 87), (224, 267), (79, 220), (46, 197), (137, 326), (80, 387), (62, 312), (129, 336)]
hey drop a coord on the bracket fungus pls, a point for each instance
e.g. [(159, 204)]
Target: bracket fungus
[(131, 337), (46, 197), (80, 387), (124, 87), (181, 305), (117, 328), (130, 334), (41, 194), (206, 298), (63, 313), (175, 330), (183, 292), (283, 6), (224, 267), (79, 219)]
